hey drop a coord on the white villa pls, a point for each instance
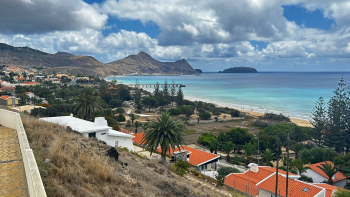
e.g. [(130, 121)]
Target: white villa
[(98, 129)]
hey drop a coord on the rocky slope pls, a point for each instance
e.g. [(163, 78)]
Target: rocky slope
[(144, 63), (239, 70), (74, 64)]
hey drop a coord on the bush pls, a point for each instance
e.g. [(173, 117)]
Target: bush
[(224, 171), (275, 117), (235, 113), (237, 160), (205, 116), (138, 111), (128, 123), (119, 110), (316, 155), (259, 123), (185, 118), (220, 180), (306, 178), (174, 112), (113, 103), (187, 110), (182, 167), (121, 118)]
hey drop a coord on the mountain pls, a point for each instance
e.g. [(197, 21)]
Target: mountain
[(144, 63), (60, 62), (239, 70)]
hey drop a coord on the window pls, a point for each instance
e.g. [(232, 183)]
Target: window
[(116, 144), (103, 133), (92, 135), (305, 189)]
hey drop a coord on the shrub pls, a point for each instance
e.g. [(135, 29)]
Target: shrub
[(220, 179), (185, 118), (224, 171), (138, 111), (275, 117), (182, 167), (316, 155), (237, 160), (306, 178), (216, 119), (128, 123), (259, 123), (205, 116), (174, 112), (112, 103), (119, 110), (187, 110), (121, 118), (235, 113)]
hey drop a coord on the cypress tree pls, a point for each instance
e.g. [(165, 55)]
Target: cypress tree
[(172, 92), (156, 90), (179, 97)]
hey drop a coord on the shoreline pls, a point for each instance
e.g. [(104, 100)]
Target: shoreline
[(256, 111)]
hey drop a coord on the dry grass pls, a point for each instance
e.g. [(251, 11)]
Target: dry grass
[(79, 167)]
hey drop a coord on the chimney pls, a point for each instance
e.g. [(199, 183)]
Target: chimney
[(100, 121), (255, 168)]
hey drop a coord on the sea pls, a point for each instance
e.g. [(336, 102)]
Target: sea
[(293, 94)]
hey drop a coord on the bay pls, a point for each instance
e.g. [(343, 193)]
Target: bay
[(291, 93)]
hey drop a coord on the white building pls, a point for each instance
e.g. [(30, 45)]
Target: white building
[(98, 129)]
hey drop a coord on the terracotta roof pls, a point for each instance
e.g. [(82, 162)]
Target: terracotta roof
[(31, 83), (339, 176), (125, 131), (137, 139), (240, 180), (295, 187), (329, 188), (4, 97), (197, 157), (8, 88)]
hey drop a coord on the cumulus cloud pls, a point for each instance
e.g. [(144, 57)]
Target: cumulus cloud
[(42, 16)]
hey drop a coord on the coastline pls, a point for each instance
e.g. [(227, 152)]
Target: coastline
[(253, 112)]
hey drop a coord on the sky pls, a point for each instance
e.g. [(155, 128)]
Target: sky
[(270, 35)]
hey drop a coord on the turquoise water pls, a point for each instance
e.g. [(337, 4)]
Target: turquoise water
[(292, 94)]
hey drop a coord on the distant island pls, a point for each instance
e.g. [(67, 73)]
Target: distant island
[(239, 70)]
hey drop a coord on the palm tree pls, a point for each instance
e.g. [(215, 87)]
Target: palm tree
[(215, 145), (165, 132), (248, 150), (330, 170), (228, 148), (137, 124), (298, 165), (132, 118), (87, 103), (268, 156)]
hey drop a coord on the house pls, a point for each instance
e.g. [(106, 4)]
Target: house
[(318, 176), (97, 129), (8, 101), (297, 188), (239, 181), (200, 159), (9, 90), (330, 189)]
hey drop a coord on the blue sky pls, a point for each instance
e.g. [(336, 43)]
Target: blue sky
[(270, 35)]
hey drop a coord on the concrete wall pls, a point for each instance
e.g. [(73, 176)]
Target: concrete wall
[(317, 178), (264, 193), (341, 183), (111, 140), (35, 185)]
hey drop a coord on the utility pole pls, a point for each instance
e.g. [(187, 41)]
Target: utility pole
[(276, 185), (287, 149), (258, 152)]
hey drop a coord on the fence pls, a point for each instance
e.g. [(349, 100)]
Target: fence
[(241, 187), (35, 185)]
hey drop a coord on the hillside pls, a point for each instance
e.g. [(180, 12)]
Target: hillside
[(75, 64), (79, 167), (144, 63), (28, 57), (239, 70)]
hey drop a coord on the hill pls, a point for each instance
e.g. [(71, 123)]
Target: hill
[(27, 57), (76, 64), (79, 166), (239, 70), (144, 63)]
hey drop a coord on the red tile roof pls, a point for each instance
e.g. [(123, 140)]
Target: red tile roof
[(197, 157), (31, 83), (125, 131), (4, 97), (8, 88), (137, 139), (240, 180), (295, 187), (339, 176), (329, 188)]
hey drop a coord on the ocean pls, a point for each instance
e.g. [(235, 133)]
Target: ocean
[(291, 93)]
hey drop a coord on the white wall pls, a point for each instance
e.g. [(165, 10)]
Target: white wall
[(264, 193), (110, 140), (341, 183), (317, 178)]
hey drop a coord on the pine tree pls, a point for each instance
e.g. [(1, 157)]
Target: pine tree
[(156, 90), (337, 110), (179, 97), (172, 92), (165, 89), (319, 120)]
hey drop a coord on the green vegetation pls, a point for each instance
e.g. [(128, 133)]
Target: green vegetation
[(316, 155), (182, 167), (275, 117), (165, 132), (330, 170), (224, 171)]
